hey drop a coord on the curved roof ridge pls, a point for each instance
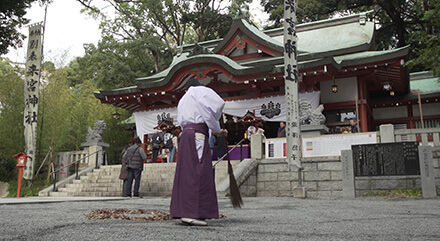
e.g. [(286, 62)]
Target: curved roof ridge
[(252, 32), (227, 63)]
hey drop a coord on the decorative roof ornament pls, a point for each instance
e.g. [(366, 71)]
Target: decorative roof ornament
[(243, 13), (249, 117), (198, 49)]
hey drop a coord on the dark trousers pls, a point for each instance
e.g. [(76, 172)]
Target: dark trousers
[(155, 154), (136, 175)]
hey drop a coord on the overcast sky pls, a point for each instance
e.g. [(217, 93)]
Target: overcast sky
[(67, 30)]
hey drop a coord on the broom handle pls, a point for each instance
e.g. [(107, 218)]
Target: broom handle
[(223, 157)]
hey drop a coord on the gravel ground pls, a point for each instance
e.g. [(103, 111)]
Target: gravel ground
[(261, 218)]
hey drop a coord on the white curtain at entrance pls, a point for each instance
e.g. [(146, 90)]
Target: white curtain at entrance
[(147, 120)]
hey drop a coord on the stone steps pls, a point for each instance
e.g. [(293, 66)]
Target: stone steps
[(157, 180)]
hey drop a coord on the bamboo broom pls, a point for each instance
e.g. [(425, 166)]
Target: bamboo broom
[(234, 192)]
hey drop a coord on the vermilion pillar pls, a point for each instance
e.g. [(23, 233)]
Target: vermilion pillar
[(363, 112)]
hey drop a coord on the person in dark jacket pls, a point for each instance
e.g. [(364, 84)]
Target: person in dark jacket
[(124, 170), (156, 144), (354, 126), (282, 130), (134, 158)]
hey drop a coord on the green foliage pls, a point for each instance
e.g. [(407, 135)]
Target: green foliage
[(307, 11), (142, 37), (426, 42), (113, 64), (28, 187), (8, 170), (398, 193), (11, 118), (12, 18), (395, 193), (65, 114)]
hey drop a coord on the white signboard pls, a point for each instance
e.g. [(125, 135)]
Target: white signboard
[(276, 148), (331, 145)]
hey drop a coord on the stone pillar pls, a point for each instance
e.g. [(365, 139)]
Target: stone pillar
[(100, 148), (348, 181), (387, 133), (257, 146), (427, 172)]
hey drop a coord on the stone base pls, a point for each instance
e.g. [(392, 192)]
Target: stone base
[(3, 189), (313, 130), (299, 192), (102, 144)]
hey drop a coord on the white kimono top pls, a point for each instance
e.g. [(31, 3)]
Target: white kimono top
[(200, 104)]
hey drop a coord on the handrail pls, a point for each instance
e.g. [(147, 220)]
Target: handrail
[(88, 155), (54, 176)]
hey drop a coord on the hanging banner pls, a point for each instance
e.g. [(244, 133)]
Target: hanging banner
[(291, 79), (31, 96), (268, 109)]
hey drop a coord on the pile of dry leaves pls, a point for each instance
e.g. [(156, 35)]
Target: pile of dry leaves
[(127, 214)]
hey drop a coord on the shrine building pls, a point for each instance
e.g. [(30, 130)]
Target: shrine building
[(338, 67)]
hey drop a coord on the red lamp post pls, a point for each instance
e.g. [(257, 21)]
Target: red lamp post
[(21, 162)]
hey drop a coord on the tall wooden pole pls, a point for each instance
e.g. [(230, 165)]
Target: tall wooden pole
[(420, 109), (357, 114), (291, 87)]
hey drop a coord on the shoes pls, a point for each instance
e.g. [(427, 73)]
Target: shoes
[(193, 221), (137, 196)]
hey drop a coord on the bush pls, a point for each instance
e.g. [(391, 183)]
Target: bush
[(28, 188), (8, 170), (397, 193)]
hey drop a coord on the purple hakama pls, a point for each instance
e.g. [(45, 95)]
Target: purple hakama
[(194, 194)]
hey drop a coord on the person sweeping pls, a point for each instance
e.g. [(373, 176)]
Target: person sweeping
[(194, 196)]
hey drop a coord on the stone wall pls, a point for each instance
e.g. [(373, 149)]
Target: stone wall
[(322, 177)]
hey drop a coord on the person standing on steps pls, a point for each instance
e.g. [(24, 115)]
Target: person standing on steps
[(134, 158)]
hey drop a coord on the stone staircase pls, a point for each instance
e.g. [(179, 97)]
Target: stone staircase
[(157, 180)]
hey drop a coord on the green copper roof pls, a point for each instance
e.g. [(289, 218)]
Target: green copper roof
[(252, 32), (338, 42), (341, 38), (425, 82), (367, 56), (230, 65)]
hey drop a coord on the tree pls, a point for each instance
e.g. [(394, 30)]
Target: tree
[(142, 37), (11, 19), (426, 42), (11, 118), (308, 10), (67, 112), (114, 64)]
